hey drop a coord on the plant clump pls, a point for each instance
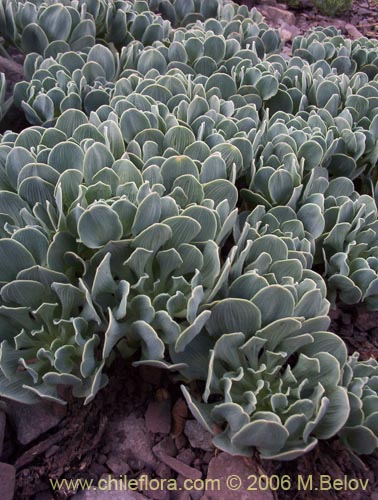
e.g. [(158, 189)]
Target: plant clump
[(187, 198)]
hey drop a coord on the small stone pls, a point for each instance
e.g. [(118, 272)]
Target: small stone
[(353, 32), (278, 15), (181, 468), (163, 471), (292, 29), (281, 5), (186, 455), (181, 441), (193, 495), (136, 465), (130, 440), (167, 446), (3, 420), (7, 481), (158, 417), (98, 470), (224, 466), (33, 420), (117, 466), (198, 436), (338, 23)]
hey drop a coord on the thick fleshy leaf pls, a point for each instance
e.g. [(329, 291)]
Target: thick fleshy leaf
[(99, 225), (234, 315)]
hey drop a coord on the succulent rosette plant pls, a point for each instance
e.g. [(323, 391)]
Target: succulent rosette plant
[(273, 376), (346, 56), (50, 27), (73, 80), (47, 27), (349, 245), (360, 433), (101, 257)]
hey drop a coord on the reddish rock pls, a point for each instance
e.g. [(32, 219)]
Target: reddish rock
[(291, 29), (198, 436), (187, 456), (167, 446), (224, 466), (33, 420), (180, 467), (98, 470), (163, 471), (277, 15), (158, 417), (130, 440), (7, 481), (117, 466), (353, 32)]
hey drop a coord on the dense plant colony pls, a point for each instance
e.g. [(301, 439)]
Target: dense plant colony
[(190, 199)]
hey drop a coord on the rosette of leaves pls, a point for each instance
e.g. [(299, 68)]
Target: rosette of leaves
[(316, 138), (49, 27), (349, 244), (128, 21), (285, 223), (241, 27), (72, 80), (46, 27), (273, 376), (185, 12), (154, 135), (213, 15), (100, 258), (266, 401), (360, 433), (344, 97), (285, 154), (296, 143), (96, 144), (197, 52), (344, 55)]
